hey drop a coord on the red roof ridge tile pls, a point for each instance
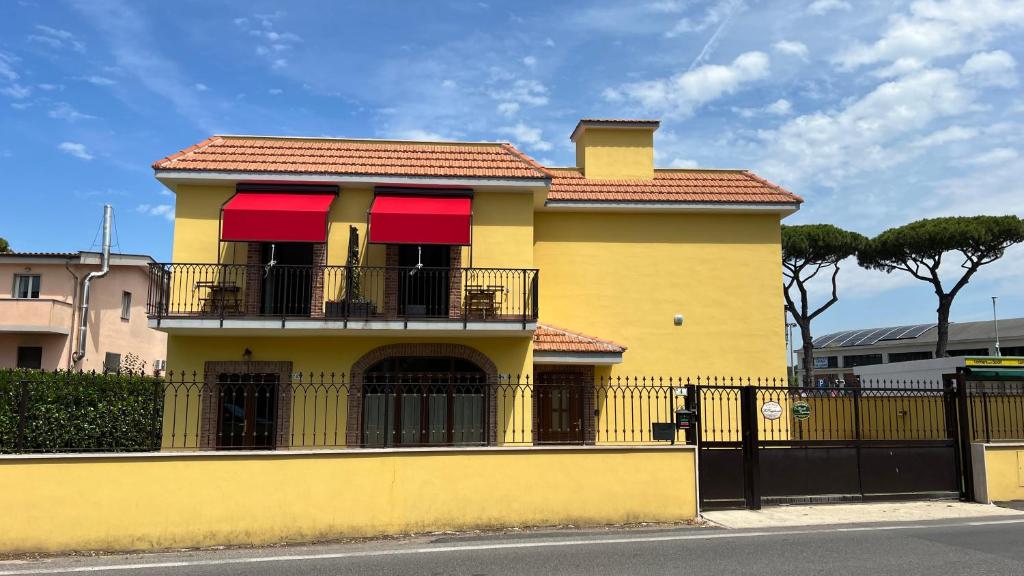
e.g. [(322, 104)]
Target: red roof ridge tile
[(610, 343), (366, 140), (530, 161), (770, 184), (189, 150)]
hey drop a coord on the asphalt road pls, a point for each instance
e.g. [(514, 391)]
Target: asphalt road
[(980, 547)]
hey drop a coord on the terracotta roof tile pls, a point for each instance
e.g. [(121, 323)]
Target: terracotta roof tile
[(274, 155), (725, 186), (548, 338), (337, 156)]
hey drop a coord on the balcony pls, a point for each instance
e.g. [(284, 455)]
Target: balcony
[(310, 300), (35, 316)]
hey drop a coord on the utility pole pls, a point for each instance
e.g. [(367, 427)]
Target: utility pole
[(995, 322)]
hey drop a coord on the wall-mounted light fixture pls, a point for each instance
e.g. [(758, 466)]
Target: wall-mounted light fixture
[(678, 320), (247, 355)]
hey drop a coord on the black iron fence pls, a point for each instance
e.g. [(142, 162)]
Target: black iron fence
[(342, 292), (995, 409), (68, 412)]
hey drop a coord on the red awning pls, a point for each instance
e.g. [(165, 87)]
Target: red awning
[(276, 217), (418, 219)]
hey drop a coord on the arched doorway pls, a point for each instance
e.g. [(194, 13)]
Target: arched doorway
[(422, 395)]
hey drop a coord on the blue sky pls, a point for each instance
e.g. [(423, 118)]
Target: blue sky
[(877, 112)]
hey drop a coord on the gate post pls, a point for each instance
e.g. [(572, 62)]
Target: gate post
[(751, 461), (959, 428)]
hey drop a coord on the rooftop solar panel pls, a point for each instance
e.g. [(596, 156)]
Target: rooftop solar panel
[(869, 336)]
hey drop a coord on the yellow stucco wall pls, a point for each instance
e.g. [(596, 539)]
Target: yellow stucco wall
[(1004, 472), (124, 503), (502, 228), (616, 153), (197, 223), (624, 277), (330, 353)]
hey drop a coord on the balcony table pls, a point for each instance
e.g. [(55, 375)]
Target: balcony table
[(222, 297)]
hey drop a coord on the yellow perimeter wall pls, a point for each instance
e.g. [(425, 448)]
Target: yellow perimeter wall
[(624, 276), (998, 472), (150, 502)]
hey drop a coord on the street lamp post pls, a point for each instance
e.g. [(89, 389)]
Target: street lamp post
[(791, 360), (995, 322)]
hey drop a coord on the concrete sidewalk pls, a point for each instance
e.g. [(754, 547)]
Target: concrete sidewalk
[(868, 512)]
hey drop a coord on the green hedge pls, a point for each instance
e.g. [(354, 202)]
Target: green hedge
[(79, 412)]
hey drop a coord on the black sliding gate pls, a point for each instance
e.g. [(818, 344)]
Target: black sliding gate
[(774, 445)]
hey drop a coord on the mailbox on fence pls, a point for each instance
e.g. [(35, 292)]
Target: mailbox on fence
[(685, 420)]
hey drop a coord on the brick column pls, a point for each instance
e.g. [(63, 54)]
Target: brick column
[(455, 282), (253, 278), (316, 304), (391, 281)]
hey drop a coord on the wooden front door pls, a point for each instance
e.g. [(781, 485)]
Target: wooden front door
[(559, 407), (247, 411)]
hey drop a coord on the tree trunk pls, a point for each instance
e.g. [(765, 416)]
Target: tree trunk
[(942, 342), (807, 352)]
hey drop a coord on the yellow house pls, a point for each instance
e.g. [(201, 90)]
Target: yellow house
[(343, 292)]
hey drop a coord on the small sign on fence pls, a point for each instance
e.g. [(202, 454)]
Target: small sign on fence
[(771, 410), (801, 410)]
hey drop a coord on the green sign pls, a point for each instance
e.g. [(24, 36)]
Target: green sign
[(801, 410)]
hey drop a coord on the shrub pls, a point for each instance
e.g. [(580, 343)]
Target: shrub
[(79, 412)]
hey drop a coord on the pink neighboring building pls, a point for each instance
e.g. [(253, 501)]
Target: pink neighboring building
[(40, 312)]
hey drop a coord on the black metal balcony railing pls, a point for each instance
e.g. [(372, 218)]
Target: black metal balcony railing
[(342, 292)]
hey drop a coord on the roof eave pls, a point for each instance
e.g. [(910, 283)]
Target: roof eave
[(172, 177), (782, 208), (592, 358)]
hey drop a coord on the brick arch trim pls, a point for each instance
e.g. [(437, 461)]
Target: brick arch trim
[(424, 350), (353, 433)]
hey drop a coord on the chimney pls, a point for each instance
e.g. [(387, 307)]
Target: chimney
[(615, 149)]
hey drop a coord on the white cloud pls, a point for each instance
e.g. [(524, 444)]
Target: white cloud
[(522, 91), (527, 136), (419, 134), (99, 80), (56, 38), (508, 108), (934, 29), (49, 87), (16, 91), (75, 149), (682, 94), (7, 66), (993, 157), (819, 7), (717, 14), (200, 87), (900, 67), (271, 42), (791, 48), (275, 91), (996, 68), (683, 163), (780, 107), (164, 210), (867, 132), (530, 61), (946, 136), (65, 111)]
